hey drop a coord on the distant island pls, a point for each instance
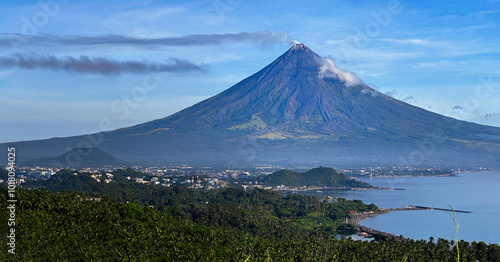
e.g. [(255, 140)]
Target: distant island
[(321, 176)]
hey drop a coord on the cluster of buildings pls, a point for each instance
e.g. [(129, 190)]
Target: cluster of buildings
[(184, 176), (157, 178), (25, 173)]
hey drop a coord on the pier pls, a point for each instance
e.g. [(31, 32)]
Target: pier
[(372, 232)]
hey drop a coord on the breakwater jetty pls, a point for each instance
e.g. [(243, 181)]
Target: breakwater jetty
[(358, 217), (327, 188), (442, 209)]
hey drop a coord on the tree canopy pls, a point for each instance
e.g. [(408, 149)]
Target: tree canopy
[(321, 176), (82, 220)]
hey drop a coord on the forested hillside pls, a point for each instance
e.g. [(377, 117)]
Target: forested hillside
[(181, 224), (321, 176)]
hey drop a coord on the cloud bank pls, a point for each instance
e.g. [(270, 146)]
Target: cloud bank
[(329, 70), (264, 37), (96, 65)]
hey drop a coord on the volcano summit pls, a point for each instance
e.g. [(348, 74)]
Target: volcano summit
[(299, 110)]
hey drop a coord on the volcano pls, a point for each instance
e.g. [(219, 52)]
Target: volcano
[(299, 110)]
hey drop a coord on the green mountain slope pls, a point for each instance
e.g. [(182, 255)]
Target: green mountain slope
[(78, 158)]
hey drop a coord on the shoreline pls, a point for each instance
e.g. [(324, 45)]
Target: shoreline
[(320, 188), (362, 216), (456, 173), (483, 180), (398, 176)]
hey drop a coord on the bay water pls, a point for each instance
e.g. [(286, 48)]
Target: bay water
[(478, 192)]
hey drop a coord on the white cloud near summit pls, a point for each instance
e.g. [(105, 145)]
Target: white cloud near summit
[(329, 70)]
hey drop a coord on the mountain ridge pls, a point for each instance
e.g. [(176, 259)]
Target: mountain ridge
[(78, 158)]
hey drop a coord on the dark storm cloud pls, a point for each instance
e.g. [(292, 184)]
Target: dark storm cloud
[(95, 65)]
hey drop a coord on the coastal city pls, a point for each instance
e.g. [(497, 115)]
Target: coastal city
[(213, 178)]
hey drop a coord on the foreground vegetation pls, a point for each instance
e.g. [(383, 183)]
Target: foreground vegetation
[(180, 224)]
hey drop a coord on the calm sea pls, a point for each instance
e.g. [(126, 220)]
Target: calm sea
[(476, 192)]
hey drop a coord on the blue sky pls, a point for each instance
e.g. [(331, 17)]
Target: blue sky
[(74, 67)]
